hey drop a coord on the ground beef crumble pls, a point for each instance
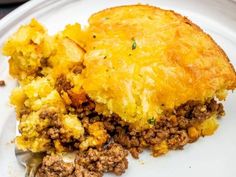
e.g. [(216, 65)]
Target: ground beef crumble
[(54, 166), (92, 163), (62, 84), (111, 159)]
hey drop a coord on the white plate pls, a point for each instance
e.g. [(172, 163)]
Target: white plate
[(210, 156)]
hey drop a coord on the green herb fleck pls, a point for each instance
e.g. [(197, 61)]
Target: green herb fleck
[(151, 121), (134, 44)]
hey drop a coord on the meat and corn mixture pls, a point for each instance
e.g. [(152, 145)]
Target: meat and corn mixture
[(63, 105)]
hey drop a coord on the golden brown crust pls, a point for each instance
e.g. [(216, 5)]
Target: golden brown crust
[(186, 20), (180, 16), (217, 46)]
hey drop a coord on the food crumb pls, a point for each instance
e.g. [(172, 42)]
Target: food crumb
[(2, 83), (10, 142), (141, 162), (13, 141)]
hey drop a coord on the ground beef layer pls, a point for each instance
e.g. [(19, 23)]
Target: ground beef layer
[(175, 129)]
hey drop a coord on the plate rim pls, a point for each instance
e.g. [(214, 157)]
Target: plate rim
[(22, 11)]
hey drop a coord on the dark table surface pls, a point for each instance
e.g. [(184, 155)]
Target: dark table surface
[(6, 6)]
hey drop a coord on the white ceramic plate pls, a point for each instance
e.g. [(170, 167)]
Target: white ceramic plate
[(210, 156)]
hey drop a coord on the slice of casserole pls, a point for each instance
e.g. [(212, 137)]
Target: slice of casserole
[(139, 76)]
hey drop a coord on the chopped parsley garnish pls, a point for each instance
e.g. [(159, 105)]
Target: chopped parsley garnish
[(134, 44), (151, 121)]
